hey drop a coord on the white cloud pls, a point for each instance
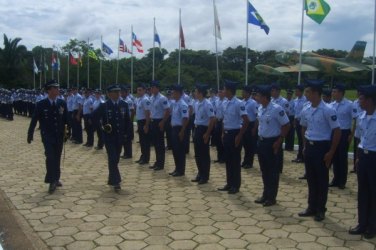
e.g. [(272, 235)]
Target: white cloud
[(55, 22)]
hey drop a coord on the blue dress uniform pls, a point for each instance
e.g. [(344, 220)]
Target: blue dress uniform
[(357, 110), (52, 116), (96, 123), (87, 109), (69, 100), (271, 119), (366, 159), (128, 151), (290, 138), (250, 137), (143, 105), (344, 110), (218, 130), (116, 114), (319, 123), (234, 119), (204, 114), (159, 105), (77, 103), (179, 113), (299, 105), (188, 100)]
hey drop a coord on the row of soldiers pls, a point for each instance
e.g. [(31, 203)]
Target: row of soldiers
[(260, 123)]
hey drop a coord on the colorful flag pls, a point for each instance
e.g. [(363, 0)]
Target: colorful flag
[(181, 36), (106, 49), (255, 18), (137, 43), (217, 26), (72, 60), (79, 59), (36, 70), (121, 45), (91, 53), (156, 37), (317, 10), (54, 64)]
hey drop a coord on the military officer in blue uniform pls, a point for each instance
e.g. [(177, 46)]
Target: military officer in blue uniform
[(300, 101), (290, 138), (250, 136), (235, 123), (125, 96), (77, 103), (357, 110), (179, 124), (87, 109), (344, 109), (114, 114), (366, 158), (321, 137), (204, 124), (143, 106), (52, 115), (218, 129), (96, 123), (273, 126), (160, 111)]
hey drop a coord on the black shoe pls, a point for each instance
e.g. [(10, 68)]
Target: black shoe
[(269, 203), (145, 163), (202, 182), (85, 145), (117, 188), (176, 174), (196, 180), (369, 235), (172, 173), (59, 184), (158, 168), (152, 167), (225, 188), (320, 216), (140, 160), (126, 157), (98, 148), (247, 166), (358, 230), (341, 187), (260, 200), (304, 177), (353, 171), (332, 184), (307, 213), (233, 191), (52, 188)]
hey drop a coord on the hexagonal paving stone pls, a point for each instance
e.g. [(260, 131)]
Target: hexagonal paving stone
[(65, 231), (134, 235), (83, 236), (229, 234), (79, 245), (234, 243), (181, 235), (132, 245), (183, 244), (58, 241), (108, 240), (111, 230), (302, 237)]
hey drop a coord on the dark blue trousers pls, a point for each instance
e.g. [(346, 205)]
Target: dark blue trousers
[(158, 142), (113, 148), (202, 155), (340, 160), (52, 150), (232, 158), (178, 149)]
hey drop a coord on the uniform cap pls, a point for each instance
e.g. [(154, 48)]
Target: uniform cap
[(276, 86), (177, 87), (231, 85), (339, 86), (368, 90), (264, 90), (247, 89), (51, 83), (155, 84), (113, 88)]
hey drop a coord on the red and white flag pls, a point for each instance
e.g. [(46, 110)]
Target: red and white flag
[(137, 43)]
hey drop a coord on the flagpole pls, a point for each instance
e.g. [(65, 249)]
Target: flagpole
[(52, 68), (58, 67), (301, 45), (216, 43), (100, 65), (246, 44), (88, 63), (45, 72), (179, 63), (118, 57), (33, 73), (131, 58), (78, 71), (40, 71), (153, 77), (68, 69), (374, 47)]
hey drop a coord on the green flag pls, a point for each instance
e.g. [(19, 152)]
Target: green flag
[(92, 54), (317, 10)]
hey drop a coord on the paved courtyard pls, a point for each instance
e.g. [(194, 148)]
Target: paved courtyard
[(156, 211)]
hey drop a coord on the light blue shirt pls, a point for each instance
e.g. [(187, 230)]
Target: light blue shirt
[(143, 104), (367, 130), (70, 100), (159, 104), (319, 121), (299, 105), (97, 103), (77, 101), (344, 110), (281, 101), (179, 112), (218, 109), (271, 119), (233, 110), (87, 108), (357, 110), (251, 107), (203, 112), (291, 110)]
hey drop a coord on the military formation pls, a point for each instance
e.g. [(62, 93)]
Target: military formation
[(261, 123)]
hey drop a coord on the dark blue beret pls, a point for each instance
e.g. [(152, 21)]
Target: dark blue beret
[(177, 87), (276, 86), (231, 85)]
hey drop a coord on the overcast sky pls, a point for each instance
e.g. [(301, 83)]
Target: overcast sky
[(53, 22)]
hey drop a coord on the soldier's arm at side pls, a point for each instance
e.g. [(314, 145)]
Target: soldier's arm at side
[(128, 121), (335, 141)]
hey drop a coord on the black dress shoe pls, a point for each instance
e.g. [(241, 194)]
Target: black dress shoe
[(172, 173), (233, 191), (98, 148), (59, 184), (158, 168), (341, 187), (269, 203), (357, 230), (247, 166), (225, 188), (151, 167), (332, 184), (320, 216), (353, 171), (202, 182), (297, 160), (369, 235), (260, 200), (304, 177), (52, 188), (85, 145), (177, 174), (307, 213), (195, 180), (126, 157), (140, 160), (145, 163), (117, 187)]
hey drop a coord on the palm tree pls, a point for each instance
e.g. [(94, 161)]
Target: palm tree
[(11, 59)]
